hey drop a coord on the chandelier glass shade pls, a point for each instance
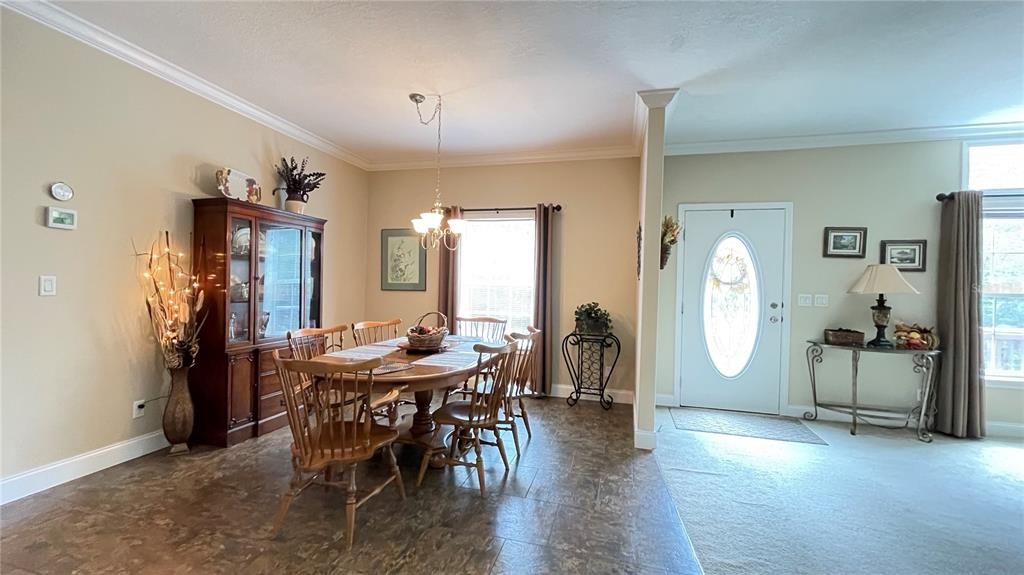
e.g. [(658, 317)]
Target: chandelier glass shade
[(433, 227)]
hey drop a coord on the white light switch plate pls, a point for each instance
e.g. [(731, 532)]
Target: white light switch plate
[(47, 285), (820, 300), (805, 300)]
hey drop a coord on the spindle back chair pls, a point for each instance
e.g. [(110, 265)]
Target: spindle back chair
[(326, 436)]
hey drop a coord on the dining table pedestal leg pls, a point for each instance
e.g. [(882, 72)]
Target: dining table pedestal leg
[(423, 420), (418, 429)]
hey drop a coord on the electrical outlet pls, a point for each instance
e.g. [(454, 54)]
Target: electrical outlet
[(805, 300), (821, 300), (138, 409)]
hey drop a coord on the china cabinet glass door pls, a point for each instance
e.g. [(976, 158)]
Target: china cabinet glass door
[(279, 273), (239, 278), (313, 267)]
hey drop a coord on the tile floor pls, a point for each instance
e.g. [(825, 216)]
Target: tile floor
[(579, 499)]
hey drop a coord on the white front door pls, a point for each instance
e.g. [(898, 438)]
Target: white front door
[(733, 308)]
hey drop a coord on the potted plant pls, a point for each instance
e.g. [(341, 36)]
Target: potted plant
[(669, 238), (297, 183), (174, 302), (592, 318)]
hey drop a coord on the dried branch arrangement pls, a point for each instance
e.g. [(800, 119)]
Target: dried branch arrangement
[(669, 231), (297, 181), (174, 301)]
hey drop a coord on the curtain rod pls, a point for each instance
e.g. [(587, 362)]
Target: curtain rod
[(949, 196), (558, 208)]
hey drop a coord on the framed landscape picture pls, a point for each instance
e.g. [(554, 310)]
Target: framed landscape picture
[(907, 255), (845, 242), (403, 261)]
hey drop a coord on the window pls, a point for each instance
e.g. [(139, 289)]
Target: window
[(496, 267), (997, 169), (731, 302)]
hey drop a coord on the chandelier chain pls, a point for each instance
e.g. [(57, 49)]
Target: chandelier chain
[(437, 156)]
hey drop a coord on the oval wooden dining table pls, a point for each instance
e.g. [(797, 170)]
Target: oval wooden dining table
[(422, 374)]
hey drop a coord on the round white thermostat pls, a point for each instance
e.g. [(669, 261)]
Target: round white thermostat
[(61, 191)]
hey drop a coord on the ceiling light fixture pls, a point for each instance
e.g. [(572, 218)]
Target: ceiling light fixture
[(432, 226)]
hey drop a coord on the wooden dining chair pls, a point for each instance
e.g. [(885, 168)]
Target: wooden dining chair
[(367, 332), (311, 342), (480, 412), (490, 329), (522, 376), (325, 438)]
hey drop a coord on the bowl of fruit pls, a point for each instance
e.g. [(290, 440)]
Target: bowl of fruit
[(426, 338)]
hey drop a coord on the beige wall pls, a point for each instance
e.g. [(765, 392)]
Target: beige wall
[(136, 149), (595, 251), (890, 189)]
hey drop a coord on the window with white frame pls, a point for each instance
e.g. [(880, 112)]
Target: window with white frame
[(497, 268), (997, 169)]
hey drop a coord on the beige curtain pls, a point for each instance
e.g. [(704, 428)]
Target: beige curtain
[(448, 275), (542, 314), (959, 396)]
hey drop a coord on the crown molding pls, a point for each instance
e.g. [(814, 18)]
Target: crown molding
[(473, 160), (849, 139), (71, 25)]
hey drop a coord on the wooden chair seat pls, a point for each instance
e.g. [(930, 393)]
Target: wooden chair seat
[(328, 448), (461, 414)]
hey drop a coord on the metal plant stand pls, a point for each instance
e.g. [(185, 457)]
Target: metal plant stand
[(924, 364), (584, 355)]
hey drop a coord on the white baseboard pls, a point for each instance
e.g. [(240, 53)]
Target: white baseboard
[(643, 439), (618, 395), (992, 428), (666, 400), (798, 411), (1003, 429), (41, 478)]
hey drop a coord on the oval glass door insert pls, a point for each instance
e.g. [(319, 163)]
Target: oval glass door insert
[(731, 314)]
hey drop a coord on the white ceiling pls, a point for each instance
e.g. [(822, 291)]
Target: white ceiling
[(522, 79)]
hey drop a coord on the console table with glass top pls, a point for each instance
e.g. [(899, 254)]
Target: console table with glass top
[(924, 363)]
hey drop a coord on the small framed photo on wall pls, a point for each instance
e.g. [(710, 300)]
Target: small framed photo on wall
[(403, 261), (906, 255), (845, 242)]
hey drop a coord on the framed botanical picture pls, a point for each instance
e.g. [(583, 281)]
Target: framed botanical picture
[(61, 218), (845, 242), (403, 261), (907, 255)]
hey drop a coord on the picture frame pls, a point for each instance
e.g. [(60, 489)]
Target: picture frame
[(403, 261), (906, 255), (844, 242), (61, 218)]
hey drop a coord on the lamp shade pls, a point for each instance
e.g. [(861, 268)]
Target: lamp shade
[(882, 278)]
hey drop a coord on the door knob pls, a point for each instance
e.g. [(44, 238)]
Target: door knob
[(773, 319)]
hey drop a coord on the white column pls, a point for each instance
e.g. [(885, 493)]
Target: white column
[(652, 176)]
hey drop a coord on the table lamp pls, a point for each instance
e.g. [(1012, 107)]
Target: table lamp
[(881, 279)]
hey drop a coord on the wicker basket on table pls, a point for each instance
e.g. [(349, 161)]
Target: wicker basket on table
[(432, 340)]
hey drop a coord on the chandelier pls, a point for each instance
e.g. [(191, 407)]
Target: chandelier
[(434, 230)]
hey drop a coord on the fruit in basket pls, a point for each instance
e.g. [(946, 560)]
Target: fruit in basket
[(914, 336), (423, 330)]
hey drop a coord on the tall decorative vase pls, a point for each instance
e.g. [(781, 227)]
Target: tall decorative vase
[(666, 251), (178, 413)]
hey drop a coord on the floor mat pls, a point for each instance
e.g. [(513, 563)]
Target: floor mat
[(746, 424)]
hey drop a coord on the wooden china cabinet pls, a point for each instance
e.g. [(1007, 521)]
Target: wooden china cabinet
[(261, 273)]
